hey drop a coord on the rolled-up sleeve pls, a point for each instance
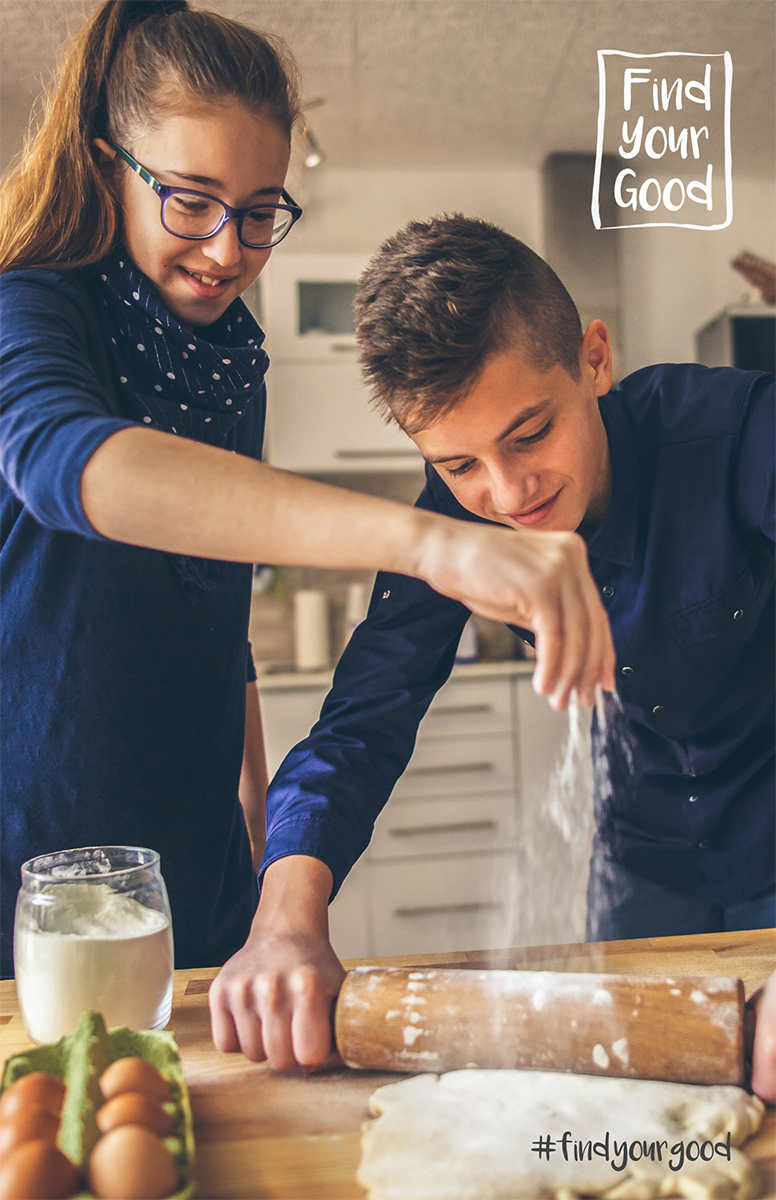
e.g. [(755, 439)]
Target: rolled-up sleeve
[(331, 787), (54, 412)]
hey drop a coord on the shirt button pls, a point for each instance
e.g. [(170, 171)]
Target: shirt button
[(386, 594), (657, 709), (738, 614), (626, 670), (704, 845), (608, 590), (693, 799)]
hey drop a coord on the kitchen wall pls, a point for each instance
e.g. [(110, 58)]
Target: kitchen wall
[(353, 211), (674, 280)]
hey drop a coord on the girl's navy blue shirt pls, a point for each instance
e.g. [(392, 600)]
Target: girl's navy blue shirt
[(122, 709)]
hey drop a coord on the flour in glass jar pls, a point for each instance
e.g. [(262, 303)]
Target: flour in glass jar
[(100, 950)]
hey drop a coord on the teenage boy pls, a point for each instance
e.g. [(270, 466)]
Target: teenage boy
[(475, 348)]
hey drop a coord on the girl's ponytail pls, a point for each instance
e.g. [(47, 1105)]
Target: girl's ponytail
[(87, 69), (56, 208)]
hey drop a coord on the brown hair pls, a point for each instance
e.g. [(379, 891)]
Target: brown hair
[(443, 296), (132, 60)]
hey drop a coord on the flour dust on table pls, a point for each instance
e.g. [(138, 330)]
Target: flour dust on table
[(498, 1135)]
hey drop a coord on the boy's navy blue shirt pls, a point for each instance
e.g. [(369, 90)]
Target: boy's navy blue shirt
[(123, 697), (684, 558)]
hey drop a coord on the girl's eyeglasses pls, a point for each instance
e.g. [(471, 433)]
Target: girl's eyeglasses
[(197, 216)]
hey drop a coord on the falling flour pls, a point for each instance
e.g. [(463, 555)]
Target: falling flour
[(545, 899)]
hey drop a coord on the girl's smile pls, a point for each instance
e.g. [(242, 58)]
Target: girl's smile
[(237, 155), (207, 285)]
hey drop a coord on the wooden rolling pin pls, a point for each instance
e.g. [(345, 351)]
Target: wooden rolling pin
[(687, 1030)]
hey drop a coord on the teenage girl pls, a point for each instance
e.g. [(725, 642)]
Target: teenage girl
[(133, 496)]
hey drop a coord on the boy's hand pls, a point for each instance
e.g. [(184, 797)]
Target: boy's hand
[(764, 1052), (273, 999), (540, 581)]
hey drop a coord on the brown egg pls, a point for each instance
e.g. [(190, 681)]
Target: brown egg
[(131, 1163), (133, 1075), (135, 1108), (43, 1091), (37, 1171), (26, 1125)]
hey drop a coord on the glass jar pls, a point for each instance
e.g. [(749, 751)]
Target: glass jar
[(93, 931)]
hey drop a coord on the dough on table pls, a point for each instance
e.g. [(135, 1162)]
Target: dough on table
[(470, 1134)]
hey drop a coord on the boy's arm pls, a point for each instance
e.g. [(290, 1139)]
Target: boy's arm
[(273, 999), (764, 1053)]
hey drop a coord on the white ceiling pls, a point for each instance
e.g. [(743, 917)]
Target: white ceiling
[(452, 83)]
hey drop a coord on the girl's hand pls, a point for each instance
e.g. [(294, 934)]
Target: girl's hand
[(273, 999), (538, 580)]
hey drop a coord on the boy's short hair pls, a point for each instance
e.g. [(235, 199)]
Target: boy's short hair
[(443, 296)]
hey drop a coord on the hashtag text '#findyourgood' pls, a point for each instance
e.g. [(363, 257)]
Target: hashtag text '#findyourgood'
[(619, 1154)]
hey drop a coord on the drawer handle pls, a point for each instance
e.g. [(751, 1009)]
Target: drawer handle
[(453, 710), (343, 347), (433, 910), (462, 827), (453, 769), (408, 453)]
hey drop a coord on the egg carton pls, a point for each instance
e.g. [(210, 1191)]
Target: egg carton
[(79, 1058)]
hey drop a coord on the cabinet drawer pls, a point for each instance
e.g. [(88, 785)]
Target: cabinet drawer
[(437, 905), (464, 707), (426, 827), (459, 766)]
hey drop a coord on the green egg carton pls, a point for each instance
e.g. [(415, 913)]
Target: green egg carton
[(79, 1058)]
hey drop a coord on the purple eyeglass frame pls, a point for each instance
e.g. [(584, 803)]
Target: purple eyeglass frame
[(164, 192)]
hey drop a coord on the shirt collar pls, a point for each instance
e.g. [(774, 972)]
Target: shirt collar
[(615, 538)]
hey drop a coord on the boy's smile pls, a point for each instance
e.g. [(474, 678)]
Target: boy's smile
[(528, 448)]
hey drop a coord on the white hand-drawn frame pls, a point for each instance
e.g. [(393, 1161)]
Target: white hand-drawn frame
[(595, 208)]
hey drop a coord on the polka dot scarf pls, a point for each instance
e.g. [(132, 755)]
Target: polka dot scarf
[(194, 383)]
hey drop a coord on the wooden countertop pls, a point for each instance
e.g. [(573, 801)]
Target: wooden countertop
[(261, 1134)]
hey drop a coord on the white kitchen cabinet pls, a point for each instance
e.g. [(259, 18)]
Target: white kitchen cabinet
[(307, 303), (446, 870), (319, 417)]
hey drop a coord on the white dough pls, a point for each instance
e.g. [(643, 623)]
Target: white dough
[(469, 1134)]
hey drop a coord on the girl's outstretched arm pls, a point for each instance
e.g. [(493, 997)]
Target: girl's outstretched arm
[(154, 489)]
